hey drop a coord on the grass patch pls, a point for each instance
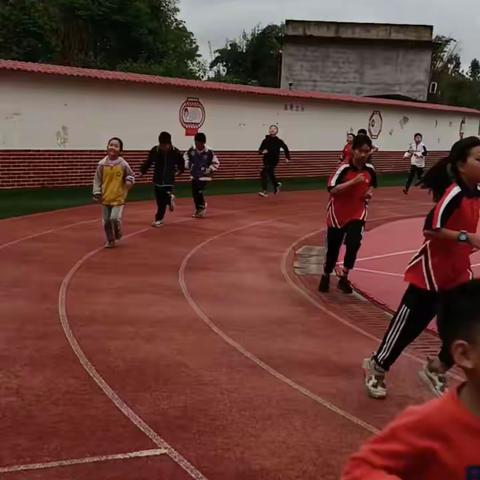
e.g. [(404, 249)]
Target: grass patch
[(18, 202)]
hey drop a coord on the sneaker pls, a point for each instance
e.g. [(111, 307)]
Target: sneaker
[(172, 204), (277, 188), (157, 223), (374, 379), (263, 194), (324, 286), (110, 244), (405, 191), (344, 285), (435, 380)]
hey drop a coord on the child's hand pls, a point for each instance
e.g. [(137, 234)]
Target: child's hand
[(264, 152), (474, 241), (128, 185), (359, 179), (96, 198)]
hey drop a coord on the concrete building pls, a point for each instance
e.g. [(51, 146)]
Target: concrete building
[(364, 59), (55, 122)]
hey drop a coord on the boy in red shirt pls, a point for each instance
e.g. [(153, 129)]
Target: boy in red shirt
[(441, 439), (350, 188), (347, 149)]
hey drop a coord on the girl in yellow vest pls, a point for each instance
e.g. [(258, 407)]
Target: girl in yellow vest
[(113, 179)]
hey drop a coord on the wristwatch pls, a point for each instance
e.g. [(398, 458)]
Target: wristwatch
[(463, 237)]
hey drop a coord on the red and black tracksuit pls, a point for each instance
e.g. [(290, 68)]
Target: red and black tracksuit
[(438, 266), (347, 213)]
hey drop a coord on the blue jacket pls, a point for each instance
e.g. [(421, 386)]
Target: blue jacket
[(201, 164)]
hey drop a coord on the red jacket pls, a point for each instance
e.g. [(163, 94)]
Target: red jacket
[(439, 440)]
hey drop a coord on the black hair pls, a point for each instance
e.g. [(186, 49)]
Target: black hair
[(362, 131), (201, 137), (165, 138), (352, 134), (458, 316), (418, 134), (361, 140), (445, 171), (119, 140)]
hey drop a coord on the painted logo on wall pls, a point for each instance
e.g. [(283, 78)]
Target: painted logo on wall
[(192, 116), (375, 124)]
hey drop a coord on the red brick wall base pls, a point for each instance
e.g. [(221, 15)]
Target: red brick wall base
[(44, 168)]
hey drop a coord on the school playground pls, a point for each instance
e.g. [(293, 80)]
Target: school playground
[(201, 349)]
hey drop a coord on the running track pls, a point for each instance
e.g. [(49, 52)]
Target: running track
[(190, 351)]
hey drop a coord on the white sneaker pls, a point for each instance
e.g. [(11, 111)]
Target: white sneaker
[(374, 379), (110, 245), (277, 188), (157, 223), (171, 206), (435, 380), (263, 194)]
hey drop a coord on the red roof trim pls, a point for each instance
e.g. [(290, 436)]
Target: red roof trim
[(27, 67)]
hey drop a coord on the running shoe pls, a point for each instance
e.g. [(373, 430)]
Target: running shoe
[(434, 379), (374, 379)]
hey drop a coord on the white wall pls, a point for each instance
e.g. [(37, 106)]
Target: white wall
[(47, 112)]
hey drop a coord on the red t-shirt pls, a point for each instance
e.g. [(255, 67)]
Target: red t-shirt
[(347, 153), (439, 440), (349, 205), (442, 264)]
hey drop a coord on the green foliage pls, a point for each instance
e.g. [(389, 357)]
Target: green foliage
[(253, 58), (455, 87), (137, 35)]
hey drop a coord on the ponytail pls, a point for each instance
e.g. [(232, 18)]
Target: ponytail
[(445, 171)]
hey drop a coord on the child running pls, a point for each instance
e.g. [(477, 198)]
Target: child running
[(441, 439), (416, 153), (442, 263), (270, 149), (113, 179), (347, 149), (168, 163), (350, 187), (202, 163)]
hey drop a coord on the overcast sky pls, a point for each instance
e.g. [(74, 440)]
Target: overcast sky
[(217, 20)]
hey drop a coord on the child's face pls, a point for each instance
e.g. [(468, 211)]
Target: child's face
[(199, 145), (114, 149), (361, 154), (273, 131), (470, 170), (350, 138), (418, 139)]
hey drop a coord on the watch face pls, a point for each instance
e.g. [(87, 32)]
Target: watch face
[(463, 237)]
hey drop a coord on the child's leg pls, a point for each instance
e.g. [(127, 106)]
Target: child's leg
[(420, 171), (116, 219), (197, 197), (107, 223), (273, 177), (163, 199), (410, 178), (264, 178), (417, 309), (201, 195), (353, 242), (334, 242)]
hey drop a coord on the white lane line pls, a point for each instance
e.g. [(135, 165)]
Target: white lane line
[(386, 255), (100, 381), (82, 461), (45, 232), (307, 295), (378, 272), (242, 350)]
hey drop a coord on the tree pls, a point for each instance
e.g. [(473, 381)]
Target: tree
[(474, 70), (137, 35), (253, 58)]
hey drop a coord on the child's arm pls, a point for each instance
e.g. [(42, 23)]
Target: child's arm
[(128, 175), (286, 150), (262, 150), (179, 163), (186, 160), (97, 183), (148, 162), (394, 453), (215, 165)]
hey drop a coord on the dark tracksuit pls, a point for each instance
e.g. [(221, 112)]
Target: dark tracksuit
[(201, 165), (437, 267), (166, 166), (273, 145)]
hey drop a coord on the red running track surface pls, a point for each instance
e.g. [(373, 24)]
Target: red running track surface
[(196, 338)]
